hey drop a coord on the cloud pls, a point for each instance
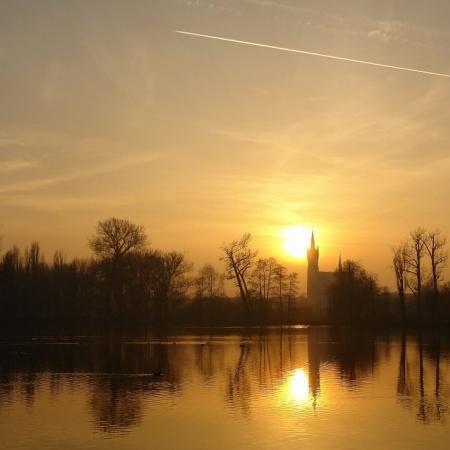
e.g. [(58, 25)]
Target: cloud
[(387, 32), (279, 6), (32, 185), (10, 166)]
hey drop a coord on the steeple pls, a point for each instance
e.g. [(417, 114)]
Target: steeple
[(340, 262), (313, 243), (313, 268), (313, 256)]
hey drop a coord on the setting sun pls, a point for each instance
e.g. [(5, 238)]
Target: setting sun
[(296, 241)]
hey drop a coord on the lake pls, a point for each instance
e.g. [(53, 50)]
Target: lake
[(229, 388)]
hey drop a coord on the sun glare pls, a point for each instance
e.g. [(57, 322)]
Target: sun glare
[(296, 241), (299, 386), (295, 389)]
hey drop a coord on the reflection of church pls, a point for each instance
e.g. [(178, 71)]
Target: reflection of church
[(317, 282)]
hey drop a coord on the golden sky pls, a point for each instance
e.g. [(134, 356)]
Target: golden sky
[(106, 111)]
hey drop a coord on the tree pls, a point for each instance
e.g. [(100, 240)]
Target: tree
[(414, 264), (292, 291), (239, 257), (33, 258), (399, 263), (116, 237), (11, 261), (261, 282), (207, 282), (206, 286), (280, 286), (172, 282), (352, 294), (435, 244)]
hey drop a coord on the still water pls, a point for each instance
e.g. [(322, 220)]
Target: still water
[(315, 388)]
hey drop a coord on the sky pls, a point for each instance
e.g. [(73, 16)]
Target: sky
[(105, 111)]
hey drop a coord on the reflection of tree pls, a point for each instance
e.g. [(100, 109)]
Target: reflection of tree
[(116, 405), (117, 398), (119, 378), (209, 360), (355, 354), (264, 364), (17, 375), (421, 414), (403, 382), (428, 396), (120, 375), (269, 361), (239, 384), (437, 377)]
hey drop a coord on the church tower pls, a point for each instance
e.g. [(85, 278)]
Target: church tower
[(318, 283), (313, 267)]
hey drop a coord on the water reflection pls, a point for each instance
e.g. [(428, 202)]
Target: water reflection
[(420, 386), (127, 380), (297, 387)]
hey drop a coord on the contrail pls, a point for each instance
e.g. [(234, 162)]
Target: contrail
[(304, 52)]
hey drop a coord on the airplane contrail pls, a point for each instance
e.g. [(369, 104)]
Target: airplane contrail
[(304, 52)]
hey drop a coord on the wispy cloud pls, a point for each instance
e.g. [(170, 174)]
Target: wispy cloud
[(387, 32), (11, 166), (40, 183)]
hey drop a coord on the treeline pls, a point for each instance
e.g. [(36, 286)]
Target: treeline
[(128, 281), (354, 296), (125, 279), (422, 297), (418, 264)]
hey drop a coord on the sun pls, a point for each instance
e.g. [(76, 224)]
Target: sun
[(296, 241)]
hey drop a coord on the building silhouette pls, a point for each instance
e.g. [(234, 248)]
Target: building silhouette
[(317, 282)]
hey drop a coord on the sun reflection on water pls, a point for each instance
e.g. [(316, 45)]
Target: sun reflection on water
[(295, 390), (299, 386)]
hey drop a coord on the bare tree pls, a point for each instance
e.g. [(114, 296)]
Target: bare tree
[(207, 281), (261, 281), (239, 257), (12, 261), (262, 278), (172, 283), (59, 259), (435, 244), (400, 265), (116, 237), (33, 258), (292, 290), (414, 264), (280, 286)]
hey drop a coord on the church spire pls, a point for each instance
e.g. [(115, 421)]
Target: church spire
[(340, 262), (313, 255), (313, 243)]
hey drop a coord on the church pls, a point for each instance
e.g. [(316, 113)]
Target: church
[(318, 282)]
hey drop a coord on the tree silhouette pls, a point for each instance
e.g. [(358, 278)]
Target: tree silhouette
[(116, 237), (435, 244), (414, 259), (239, 257), (399, 262)]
